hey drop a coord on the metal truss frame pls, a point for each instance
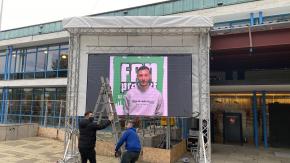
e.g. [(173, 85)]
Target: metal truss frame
[(204, 152), (165, 31), (71, 129), (204, 99), (140, 50)]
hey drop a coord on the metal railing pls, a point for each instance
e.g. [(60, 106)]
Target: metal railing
[(273, 19)]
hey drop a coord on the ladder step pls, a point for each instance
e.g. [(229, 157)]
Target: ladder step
[(106, 101)]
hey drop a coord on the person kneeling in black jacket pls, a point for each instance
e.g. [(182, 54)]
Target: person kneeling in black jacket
[(87, 138)]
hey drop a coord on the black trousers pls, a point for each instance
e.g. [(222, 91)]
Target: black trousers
[(88, 154), (130, 157)]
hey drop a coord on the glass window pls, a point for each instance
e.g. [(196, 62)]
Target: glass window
[(38, 104), (27, 99), (30, 62), (2, 63), (52, 61), (61, 94), (40, 63), (54, 47), (11, 118), (1, 95), (26, 105), (63, 59), (30, 65), (60, 106), (14, 103), (64, 46), (12, 62), (31, 50), (36, 62), (42, 49), (19, 61), (50, 94), (50, 97)]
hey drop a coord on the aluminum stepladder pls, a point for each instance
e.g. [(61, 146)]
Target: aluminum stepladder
[(105, 105)]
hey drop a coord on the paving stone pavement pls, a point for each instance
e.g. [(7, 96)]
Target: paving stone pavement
[(45, 150), (245, 154), (248, 154), (37, 150)]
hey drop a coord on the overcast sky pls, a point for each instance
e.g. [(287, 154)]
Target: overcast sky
[(19, 13)]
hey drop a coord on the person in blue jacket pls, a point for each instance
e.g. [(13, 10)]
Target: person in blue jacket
[(133, 145)]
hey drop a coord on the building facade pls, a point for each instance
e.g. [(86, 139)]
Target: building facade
[(249, 58)]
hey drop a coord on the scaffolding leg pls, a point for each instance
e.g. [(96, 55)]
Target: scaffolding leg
[(255, 119), (168, 134), (264, 107)]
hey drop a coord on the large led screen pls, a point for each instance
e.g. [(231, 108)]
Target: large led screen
[(155, 85)]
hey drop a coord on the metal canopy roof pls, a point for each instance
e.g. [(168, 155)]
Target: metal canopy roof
[(121, 22)]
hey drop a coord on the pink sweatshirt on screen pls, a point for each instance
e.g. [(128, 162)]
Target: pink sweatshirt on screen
[(148, 102)]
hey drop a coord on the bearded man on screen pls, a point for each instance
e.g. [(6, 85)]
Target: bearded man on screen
[(144, 99)]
